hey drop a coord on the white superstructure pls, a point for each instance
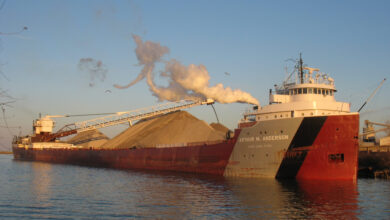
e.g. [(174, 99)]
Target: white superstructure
[(311, 93)]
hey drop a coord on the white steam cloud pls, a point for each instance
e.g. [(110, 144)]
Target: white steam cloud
[(185, 82)]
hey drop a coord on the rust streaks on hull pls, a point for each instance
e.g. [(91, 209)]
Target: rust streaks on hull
[(210, 159)]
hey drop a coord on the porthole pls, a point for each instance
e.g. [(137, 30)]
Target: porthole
[(281, 131)]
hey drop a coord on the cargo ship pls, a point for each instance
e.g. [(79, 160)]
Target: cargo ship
[(303, 133)]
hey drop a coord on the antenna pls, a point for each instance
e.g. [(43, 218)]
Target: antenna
[(300, 68)]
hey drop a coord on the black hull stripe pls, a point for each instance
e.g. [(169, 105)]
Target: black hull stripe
[(305, 136), (307, 132)]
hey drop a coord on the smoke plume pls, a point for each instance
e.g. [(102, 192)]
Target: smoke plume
[(184, 82), (95, 69)]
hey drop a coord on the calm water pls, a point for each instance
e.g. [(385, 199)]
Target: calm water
[(50, 191)]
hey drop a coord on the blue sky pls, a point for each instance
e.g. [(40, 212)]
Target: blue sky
[(251, 40)]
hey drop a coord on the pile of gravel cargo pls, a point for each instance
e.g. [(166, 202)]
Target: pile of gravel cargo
[(176, 128), (91, 138)]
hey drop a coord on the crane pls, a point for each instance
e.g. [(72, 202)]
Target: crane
[(43, 127), (369, 131), (372, 94)]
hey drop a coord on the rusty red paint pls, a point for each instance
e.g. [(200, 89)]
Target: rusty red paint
[(246, 124), (210, 159), (337, 136)]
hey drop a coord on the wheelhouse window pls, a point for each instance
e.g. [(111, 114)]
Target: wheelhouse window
[(315, 91), (310, 90), (304, 90)]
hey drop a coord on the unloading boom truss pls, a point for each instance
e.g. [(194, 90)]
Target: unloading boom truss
[(134, 115)]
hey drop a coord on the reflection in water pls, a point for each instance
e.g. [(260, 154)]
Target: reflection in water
[(330, 199), (39, 190), (257, 197), (41, 182), (291, 199)]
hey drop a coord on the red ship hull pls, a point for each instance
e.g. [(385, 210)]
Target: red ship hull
[(334, 153), (328, 152), (210, 159)]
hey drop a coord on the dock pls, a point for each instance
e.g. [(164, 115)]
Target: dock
[(374, 161)]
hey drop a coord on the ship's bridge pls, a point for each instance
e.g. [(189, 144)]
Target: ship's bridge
[(303, 92), (308, 95)]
